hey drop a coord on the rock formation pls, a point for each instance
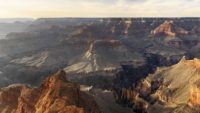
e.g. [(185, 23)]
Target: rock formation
[(195, 94), (103, 55), (55, 95), (168, 29), (168, 89)]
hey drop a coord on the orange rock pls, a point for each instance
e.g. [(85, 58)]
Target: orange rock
[(55, 95), (195, 95), (168, 29)]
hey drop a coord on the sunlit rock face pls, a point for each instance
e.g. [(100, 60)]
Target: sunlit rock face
[(195, 95), (165, 90), (168, 29), (55, 95)]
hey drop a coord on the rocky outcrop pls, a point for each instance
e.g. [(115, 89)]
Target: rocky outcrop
[(166, 89), (168, 29), (55, 94), (195, 94), (178, 82)]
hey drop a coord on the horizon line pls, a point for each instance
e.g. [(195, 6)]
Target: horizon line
[(79, 17)]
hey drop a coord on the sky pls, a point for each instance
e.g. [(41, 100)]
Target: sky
[(99, 8)]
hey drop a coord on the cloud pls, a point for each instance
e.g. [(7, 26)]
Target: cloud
[(99, 8)]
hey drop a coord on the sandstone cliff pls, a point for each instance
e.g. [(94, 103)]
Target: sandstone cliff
[(168, 29), (173, 89), (55, 95), (195, 94)]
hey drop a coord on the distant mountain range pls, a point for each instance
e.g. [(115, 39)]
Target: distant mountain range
[(13, 25), (13, 20)]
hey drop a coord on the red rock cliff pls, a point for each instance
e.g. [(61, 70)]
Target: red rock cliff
[(168, 29), (55, 95)]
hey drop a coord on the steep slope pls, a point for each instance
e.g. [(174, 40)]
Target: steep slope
[(186, 72), (105, 55), (55, 95), (194, 94), (173, 89), (179, 85)]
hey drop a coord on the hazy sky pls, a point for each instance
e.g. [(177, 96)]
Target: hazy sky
[(99, 8)]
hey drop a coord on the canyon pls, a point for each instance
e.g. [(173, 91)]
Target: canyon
[(129, 65)]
